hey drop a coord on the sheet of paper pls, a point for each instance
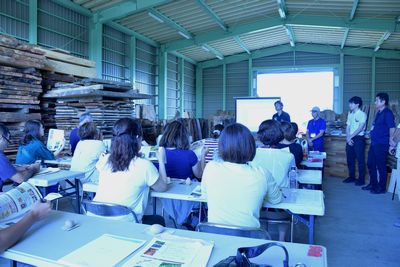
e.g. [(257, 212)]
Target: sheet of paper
[(47, 170), (107, 250)]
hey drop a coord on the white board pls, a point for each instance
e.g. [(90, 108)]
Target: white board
[(252, 111)]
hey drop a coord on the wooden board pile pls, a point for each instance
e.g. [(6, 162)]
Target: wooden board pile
[(107, 101)]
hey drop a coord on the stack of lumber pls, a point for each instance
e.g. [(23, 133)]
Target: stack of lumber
[(107, 101), (14, 53)]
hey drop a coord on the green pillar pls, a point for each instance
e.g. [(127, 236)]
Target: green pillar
[(373, 80), (224, 87), (182, 84), (250, 77), (132, 54), (33, 21), (96, 44), (341, 83), (162, 84), (199, 92)]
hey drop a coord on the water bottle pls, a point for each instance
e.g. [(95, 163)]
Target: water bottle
[(293, 178)]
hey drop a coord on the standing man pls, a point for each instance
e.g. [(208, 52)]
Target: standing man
[(16, 174), (381, 134), (355, 142), (315, 131), (280, 115), (73, 136)]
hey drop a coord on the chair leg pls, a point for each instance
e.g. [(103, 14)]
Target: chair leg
[(291, 228)]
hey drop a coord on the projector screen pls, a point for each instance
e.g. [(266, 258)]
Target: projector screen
[(252, 111)]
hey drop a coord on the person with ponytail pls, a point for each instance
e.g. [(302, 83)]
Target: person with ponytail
[(31, 146), (124, 177)]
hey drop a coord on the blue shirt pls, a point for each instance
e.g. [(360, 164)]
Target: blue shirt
[(34, 150), (283, 117), (314, 127), (384, 120), (74, 139), (179, 163), (7, 170)]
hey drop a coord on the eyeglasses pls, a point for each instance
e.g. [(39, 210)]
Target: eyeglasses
[(8, 140)]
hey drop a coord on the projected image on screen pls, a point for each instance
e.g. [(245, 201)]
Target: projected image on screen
[(252, 111)]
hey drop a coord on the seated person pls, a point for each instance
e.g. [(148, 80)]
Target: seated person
[(17, 174), (73, 135), (88, 152), (235, 188), (181, 163), (289, 133), (31, 146), (211, 144), (10, 235), (124, 177), (269, 157)]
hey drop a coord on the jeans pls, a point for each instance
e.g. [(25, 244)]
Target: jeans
[(356, 151), (377, 155)]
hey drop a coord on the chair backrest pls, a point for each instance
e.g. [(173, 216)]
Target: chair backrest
[(107, 209), (224, 229)]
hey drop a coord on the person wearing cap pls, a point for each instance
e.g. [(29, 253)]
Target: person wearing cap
[(280, 115), (382, 132), (315, 131), (355, 141), (73, 136)]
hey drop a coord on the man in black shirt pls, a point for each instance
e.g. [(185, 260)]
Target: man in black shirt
[(280, 115)]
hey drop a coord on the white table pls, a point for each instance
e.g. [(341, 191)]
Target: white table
[(311, 177), (46, 242), (311, 163), (53, 178), (64, 161), (308, 202)]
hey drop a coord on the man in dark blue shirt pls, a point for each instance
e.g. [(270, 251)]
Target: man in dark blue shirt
[(381, 133), (73, 136), (280, 115), (17, 174)]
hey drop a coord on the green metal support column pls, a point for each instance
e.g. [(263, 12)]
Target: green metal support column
[(182, 84), (199, 92), (96, 44), (33, 21), (132, 69), (341, 83), (162, 84), (224, 87), (250, 77), (373, 80)]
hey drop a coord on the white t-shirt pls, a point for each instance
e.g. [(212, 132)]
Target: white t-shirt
[(355, 119), (86, 155), (235, 193), (277, 162), (128, 188)]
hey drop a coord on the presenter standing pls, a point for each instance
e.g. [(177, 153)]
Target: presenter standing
[(280, 115)]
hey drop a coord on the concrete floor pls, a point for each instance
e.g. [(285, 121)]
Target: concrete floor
[(357, 228)]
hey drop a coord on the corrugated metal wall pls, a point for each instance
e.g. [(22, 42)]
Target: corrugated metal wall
[(237, 83), (212, 91), (388, 78), (146, 71), (190, 88), (115, 55), (173, 88), (357, 79), (60, 27), (14, 18)]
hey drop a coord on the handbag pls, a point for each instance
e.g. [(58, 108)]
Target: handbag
[(245, 253)]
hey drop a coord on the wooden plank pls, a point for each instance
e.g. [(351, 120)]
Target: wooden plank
[(67, 68), (19, 101), (85, 93), (16, 106), (68, 58), (20, 62), (18, 117)]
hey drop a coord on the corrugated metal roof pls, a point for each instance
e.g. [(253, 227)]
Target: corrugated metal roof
[(393, 42), (341, 8), (318, 35), (96, 5), (197, 53), (265, 38), (367, 39)]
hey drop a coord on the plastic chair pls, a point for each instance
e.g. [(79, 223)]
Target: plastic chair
[(107, 209), (224, 229)]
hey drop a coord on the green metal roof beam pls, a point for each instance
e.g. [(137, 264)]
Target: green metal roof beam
[(242, 45), (212, 50), (126, 8), (75, 7), (353, 10), (282, 8), (346, 33), (170, 23), (384, 37), (130, 32), (188, 59), (290, 34), (318, 21), (312, 48), (212, 14)]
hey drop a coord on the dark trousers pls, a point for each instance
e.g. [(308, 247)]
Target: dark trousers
[(377, 155), (356, 151)]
